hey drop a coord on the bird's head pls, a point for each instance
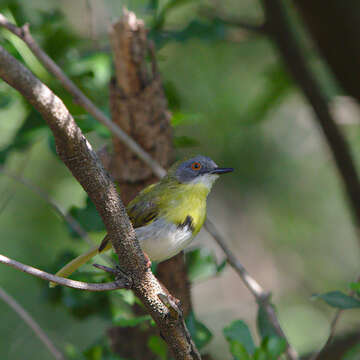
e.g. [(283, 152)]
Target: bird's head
[(197, 170)]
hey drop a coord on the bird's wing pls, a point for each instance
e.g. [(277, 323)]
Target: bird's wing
[(145, 207)]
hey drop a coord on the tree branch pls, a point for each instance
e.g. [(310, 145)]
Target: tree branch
[(75, 226), (78, 155), (29, 320), (262, 297), (118, 284), (281, 33), (24, 34)]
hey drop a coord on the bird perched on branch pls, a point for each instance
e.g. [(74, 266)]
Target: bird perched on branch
[(166, 215)]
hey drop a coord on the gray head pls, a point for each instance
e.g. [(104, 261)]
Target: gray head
[(199, 169)]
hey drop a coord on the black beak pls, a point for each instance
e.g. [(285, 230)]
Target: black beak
[(221, 170)]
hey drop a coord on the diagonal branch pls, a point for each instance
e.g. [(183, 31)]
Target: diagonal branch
[(24, 34), (29, 320), (80, 285), (295, 62), (262, 297), (71, 221), (78, 155)]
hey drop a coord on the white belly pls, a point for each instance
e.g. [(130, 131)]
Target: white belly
[(161, 240)]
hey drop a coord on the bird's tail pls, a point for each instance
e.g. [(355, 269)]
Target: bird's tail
[(73, 265)]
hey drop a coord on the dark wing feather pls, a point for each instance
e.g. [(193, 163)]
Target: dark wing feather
[(144, 208)]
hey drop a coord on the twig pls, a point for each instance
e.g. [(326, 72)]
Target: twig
[(80, 285), (333, 325), (76, 227), (29, 320), (78, 155), (24, 34), (262, 297), (331, 334)]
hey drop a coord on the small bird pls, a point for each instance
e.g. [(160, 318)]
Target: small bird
[(167, 215)]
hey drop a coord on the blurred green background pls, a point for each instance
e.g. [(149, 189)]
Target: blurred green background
[(282, 211)]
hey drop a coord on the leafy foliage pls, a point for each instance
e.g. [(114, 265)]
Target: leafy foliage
[(202, 264), (198, 331), (238, 333), (242, 346), (339, 300), (264, 325)]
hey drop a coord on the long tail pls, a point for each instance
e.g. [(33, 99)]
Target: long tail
[(73, 265)]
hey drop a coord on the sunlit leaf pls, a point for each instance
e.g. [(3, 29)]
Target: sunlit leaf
[(355, 286)]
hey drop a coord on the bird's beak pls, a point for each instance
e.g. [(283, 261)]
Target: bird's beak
[(221, 170)]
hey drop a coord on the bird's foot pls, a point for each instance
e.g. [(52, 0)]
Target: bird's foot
[(118, 273), (148, 261)]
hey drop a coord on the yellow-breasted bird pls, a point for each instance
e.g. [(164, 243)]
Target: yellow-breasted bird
[(166, 215)]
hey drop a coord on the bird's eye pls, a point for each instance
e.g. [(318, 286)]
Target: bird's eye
[(196, 166)]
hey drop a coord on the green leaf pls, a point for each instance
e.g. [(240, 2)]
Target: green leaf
[(353, 353), (88, 217), (201, 264), (199, 332), (355, 286), (264, 326), (239, 331), (238, 350), (158, 346), (275, 346), (260, 354), (338, 300), (132, 322)]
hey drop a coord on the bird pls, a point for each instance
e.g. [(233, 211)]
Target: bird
[(166, 215)]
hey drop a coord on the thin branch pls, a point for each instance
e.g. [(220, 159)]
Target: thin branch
[(29, 320), (80, 285), (24, 34), (262, 297), (333, 325), (281, 33), (75, 226), (78, 155)]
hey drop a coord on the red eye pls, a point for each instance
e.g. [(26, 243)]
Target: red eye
[(196, 166)]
